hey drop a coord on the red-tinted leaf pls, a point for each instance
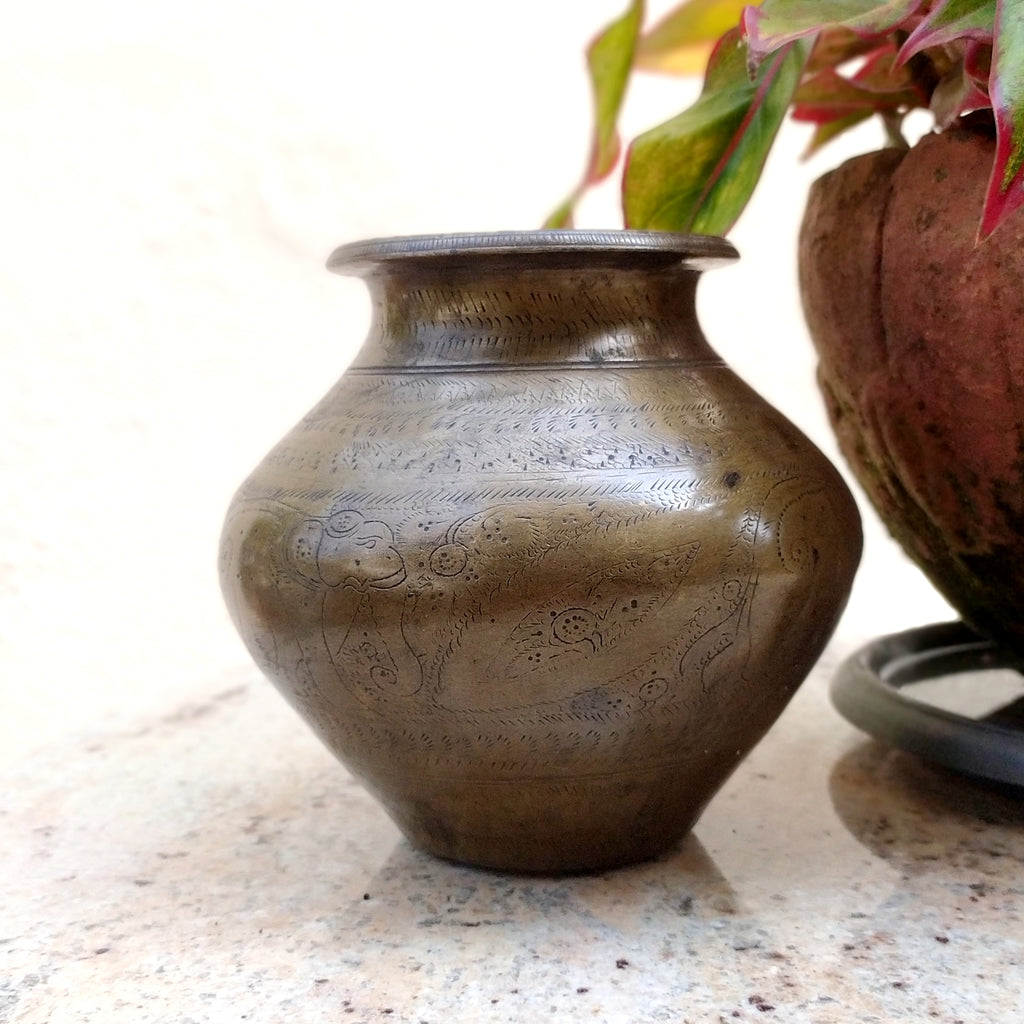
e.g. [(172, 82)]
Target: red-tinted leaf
[(778, 22), (950, 20), (881, 71), (978, 64), (956, 93), (826, 132), (697, 171), (610, 61), (829, 96), (1006, 88), (835, 46), (879, 85)]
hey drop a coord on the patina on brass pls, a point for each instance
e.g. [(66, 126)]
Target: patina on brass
[(540, 569)]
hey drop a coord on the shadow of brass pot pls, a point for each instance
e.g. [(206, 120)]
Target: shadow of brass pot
[(539, 569)]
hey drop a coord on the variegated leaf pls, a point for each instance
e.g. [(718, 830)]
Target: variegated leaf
[(697, 171), (778, 22)]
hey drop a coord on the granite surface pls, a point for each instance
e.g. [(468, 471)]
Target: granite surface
[(213, 863)]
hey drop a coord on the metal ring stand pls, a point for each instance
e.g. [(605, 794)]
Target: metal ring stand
[(868, 690)]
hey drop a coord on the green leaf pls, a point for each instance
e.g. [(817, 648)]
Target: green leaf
[(779, 22), (697, 171), (681, 41), (610, 62), (561, 215), (1006, 88)]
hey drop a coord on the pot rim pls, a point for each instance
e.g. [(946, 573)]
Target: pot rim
[(696, 252)]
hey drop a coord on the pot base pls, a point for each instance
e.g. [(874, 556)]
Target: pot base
[(553, 826)]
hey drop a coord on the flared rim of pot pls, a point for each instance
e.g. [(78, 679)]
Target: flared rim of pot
[(696, 252)]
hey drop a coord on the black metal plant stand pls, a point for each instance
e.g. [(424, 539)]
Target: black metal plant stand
[(879, 689)]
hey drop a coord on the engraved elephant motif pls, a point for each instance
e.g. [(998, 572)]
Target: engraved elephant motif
[(347, 550)]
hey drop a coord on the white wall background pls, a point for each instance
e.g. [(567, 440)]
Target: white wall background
[(172, 178)]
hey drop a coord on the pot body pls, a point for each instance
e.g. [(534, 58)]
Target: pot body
[(920, 336), (539, 569)]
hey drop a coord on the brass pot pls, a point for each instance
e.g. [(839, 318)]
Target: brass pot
[(539, 569)]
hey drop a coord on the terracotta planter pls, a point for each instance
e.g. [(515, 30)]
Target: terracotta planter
[(539, 569), (920, 335)]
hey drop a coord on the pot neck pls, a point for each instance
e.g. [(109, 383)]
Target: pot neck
[(497, 316), (532, 299)]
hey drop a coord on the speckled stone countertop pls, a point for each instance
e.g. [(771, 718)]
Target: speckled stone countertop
[(214, 864)]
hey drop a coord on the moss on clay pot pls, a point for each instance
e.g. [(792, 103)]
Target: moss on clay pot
[(920, 335)]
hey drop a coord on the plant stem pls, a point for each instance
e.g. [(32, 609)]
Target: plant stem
[(893, 135)]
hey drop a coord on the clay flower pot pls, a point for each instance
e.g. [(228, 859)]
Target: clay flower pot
[(539, 569), (920, 335)]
